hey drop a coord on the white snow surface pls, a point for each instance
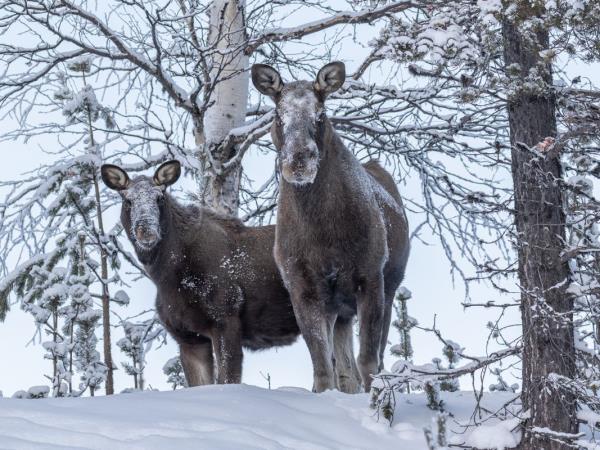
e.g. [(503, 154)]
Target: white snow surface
[(230, 417)]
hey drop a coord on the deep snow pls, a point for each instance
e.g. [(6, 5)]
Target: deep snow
[(226, 417)]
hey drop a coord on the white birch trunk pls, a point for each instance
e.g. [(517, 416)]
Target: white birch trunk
[(230, 97)]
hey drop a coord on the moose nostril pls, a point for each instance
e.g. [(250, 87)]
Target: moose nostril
[(144, 235), (299, 165), (300, 159)]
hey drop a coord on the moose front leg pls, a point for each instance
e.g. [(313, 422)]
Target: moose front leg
[(348, 378), (197, 362), (227, 345), (370, 305), (316, 327)]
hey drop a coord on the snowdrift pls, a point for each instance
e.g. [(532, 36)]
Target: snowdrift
[(236, 417)]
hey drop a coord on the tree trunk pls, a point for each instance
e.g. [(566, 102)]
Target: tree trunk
[(548, 344), (220, 187), (107, 345), (71, 373), (109, 383), (55, 391), (141, 378)]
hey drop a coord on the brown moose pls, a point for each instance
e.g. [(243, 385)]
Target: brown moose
[(342, 239), (218, 288)]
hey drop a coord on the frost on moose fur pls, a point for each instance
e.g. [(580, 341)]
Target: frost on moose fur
[(144, 213), (298, 110)]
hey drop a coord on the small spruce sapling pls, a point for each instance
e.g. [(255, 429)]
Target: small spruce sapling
[(174, 372), (34, 392), (403, 324), (501, 385), (132, 345), (137, 341), (81, 322), (452, 352), (432, 392), (436, 435), (383, 391)]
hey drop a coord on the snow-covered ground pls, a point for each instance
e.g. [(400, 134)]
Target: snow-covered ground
[(234, 417)]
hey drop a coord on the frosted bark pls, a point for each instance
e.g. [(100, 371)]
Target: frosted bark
[(546, 308), (229, 101)]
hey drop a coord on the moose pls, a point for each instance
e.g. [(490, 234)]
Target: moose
[(342, 241), (218, 288)]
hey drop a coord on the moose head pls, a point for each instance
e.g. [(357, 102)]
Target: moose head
[(143, 201), (299, 113)]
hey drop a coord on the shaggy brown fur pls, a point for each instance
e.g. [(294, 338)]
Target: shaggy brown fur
[(218, 287), (342, 236)]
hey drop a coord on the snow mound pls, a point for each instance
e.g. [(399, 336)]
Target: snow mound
[(220, 417)]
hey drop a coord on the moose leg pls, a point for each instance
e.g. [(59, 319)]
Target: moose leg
[(370, 305), (348, 379), (227, 345), (387, 319), (317, 330), (197, 362)]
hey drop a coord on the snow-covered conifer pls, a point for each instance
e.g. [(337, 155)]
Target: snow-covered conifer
[(138, 339), (174, 372), (57, 286), (403, 324)]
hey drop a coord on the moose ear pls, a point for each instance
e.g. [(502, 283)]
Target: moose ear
[(114, 177), (330, 78), (266, 79), (167, 174)]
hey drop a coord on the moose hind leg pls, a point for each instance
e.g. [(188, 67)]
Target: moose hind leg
[(387, 319), (197, 362), (348, 379), (370, 306)]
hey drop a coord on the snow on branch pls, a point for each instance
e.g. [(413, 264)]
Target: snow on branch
[(7, 283), (367, 15), (180, 96), (245, 136), (404, 371)]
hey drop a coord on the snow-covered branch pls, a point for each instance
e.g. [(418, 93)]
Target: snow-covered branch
[(367, 15)]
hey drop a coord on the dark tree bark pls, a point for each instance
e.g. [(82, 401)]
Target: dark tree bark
[(548, 344), (107, 346)]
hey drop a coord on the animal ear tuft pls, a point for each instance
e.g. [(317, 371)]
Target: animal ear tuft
[(330, 78), (114, 177), (167, 174), (266, 79)]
